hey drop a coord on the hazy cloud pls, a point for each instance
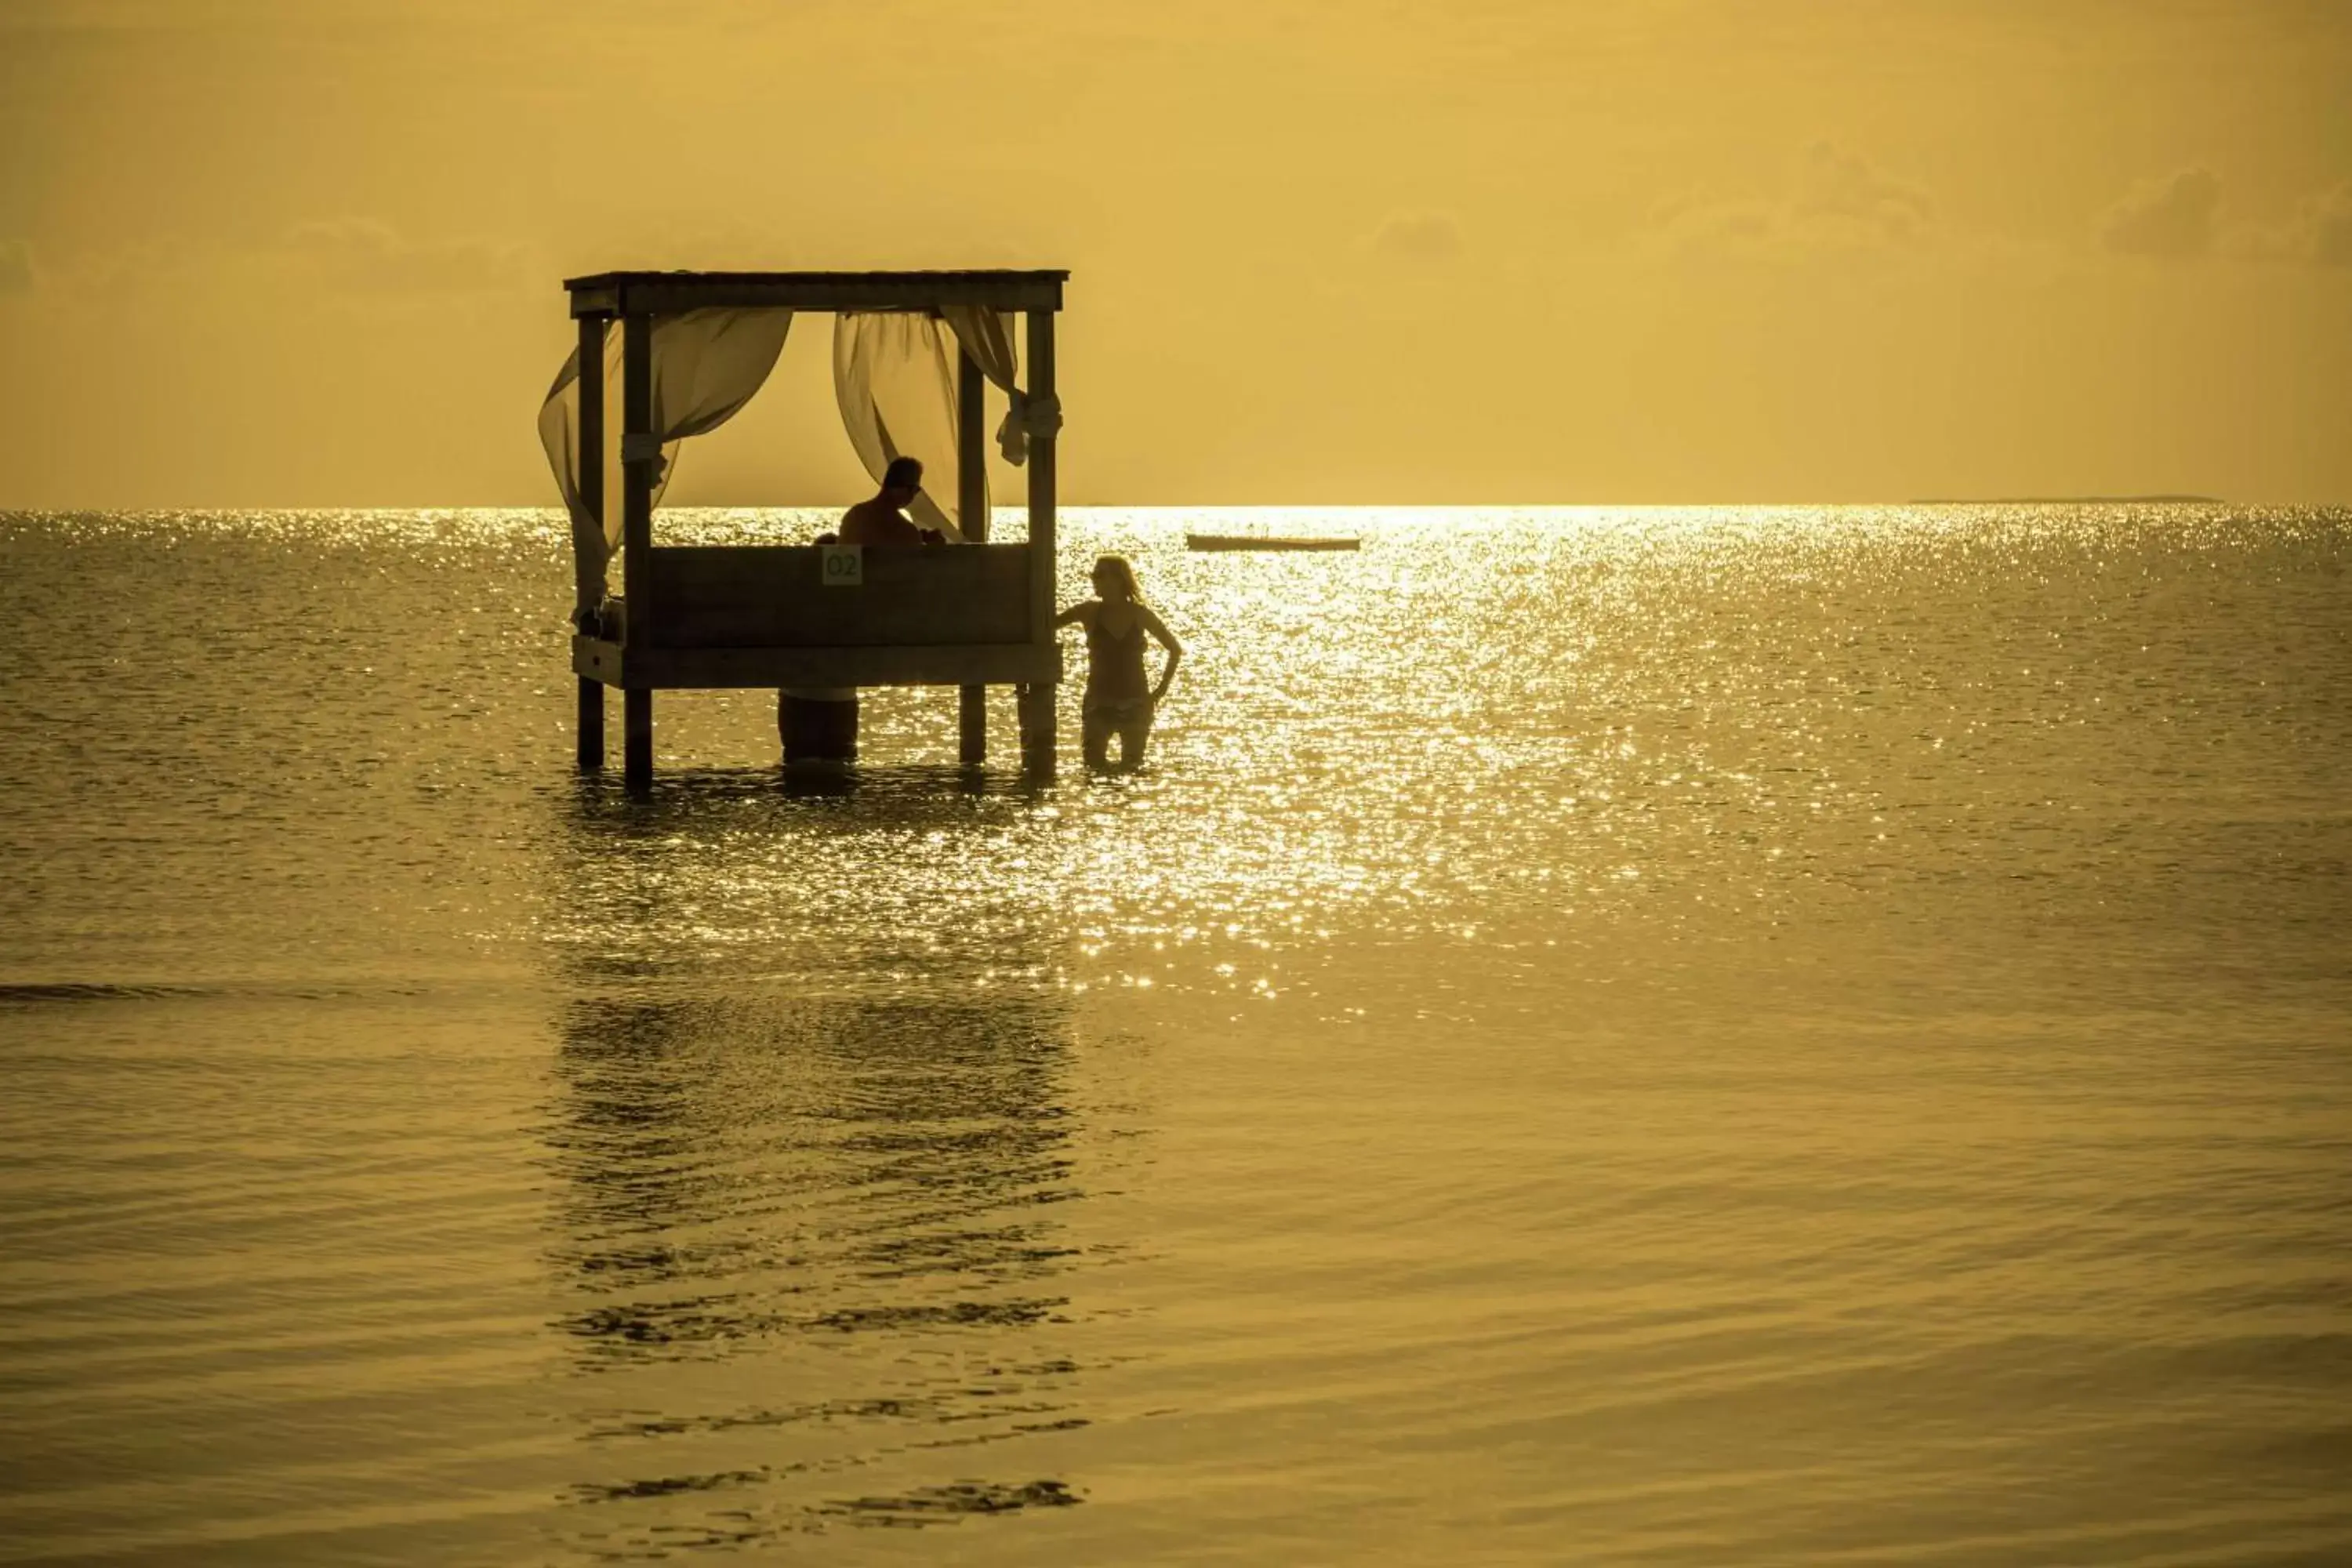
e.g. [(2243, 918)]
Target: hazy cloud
[(362, 254), (2180, 217), (16, 266), (1419, 236), (1836, 200), (339, 256), (2322, 230), (1837, 185), (2172, 218), (2331, 228), (2317, 234)]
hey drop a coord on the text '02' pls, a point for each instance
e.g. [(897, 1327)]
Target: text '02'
[(845, 565)]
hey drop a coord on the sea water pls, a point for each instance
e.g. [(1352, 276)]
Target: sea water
[(1767, 1036)]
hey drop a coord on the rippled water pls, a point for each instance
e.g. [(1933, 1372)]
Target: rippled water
[(1729, 1036)]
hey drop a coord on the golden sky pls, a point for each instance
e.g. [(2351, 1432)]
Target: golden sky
[(305, 252)]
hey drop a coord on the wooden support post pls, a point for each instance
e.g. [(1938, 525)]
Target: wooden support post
[(971, 451), (590, 486), (1035, 705), (637, 736), (972, 517), (592, 724), (1037, 738), (640, 450)]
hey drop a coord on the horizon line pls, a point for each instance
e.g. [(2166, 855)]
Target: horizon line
[(1015, 506)]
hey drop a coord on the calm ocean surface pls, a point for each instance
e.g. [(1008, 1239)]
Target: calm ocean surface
[(1739, 1036)]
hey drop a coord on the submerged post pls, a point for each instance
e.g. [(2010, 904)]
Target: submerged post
[(972, 517), (1037, 740), (590, 483), (640, 451)]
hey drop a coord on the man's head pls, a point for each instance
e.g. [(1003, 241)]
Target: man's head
[(902, 480)]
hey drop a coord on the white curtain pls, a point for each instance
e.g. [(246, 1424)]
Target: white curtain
[(894, 374), (559, 434), (706, 366)]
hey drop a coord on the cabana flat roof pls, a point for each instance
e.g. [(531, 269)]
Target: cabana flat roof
[(667, 293)]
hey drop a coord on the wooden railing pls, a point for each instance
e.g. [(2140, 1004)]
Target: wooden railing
[(713, 596)]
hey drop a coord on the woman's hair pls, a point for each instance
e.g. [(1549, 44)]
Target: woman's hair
[(1117, 567)]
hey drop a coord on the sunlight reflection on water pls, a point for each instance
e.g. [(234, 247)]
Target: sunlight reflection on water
[(1691, 720), (1574, 990)]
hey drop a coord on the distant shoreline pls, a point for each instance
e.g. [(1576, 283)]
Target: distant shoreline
[(2057, 501)]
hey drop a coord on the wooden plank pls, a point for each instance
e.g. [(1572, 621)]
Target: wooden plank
[(753, 595), (593, 659), (715, 668), (637, 477), (665, 293), (1039, 741), (589, 482), (971, 451), (1042, 474), (971, 516), (590, 393), (915, 276)]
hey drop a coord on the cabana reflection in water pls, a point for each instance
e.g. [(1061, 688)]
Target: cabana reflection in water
[(816, 1240), (914, 354)]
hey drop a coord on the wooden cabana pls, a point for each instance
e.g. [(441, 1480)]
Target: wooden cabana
[(692, 618)]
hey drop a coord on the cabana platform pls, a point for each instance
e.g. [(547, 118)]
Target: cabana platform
[(693, 348)]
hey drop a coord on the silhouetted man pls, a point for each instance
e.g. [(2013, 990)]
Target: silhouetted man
[(883, 520)]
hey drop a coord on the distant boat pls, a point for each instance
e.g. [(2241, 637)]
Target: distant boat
[(2069, 501), (1271, 541)]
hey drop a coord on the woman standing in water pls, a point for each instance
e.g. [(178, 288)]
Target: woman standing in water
[(1118, 701)]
